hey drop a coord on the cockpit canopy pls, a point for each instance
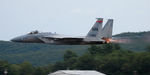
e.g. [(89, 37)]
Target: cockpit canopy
[(34, 32)]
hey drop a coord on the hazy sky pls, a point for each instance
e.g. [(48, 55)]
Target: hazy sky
[(71, 17)]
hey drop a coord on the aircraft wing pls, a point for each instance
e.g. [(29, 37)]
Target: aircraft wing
[(60, 39)]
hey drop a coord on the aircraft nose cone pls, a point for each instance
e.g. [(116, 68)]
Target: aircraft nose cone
[(16, 39)]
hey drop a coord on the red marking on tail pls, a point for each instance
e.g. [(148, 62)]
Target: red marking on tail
[(99, 21)]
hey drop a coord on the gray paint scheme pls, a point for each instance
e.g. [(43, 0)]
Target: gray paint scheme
[(107, 30), (95, 33), (94, 36)]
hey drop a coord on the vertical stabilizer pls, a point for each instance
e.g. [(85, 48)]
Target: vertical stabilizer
[(95, 33), (107, 30)]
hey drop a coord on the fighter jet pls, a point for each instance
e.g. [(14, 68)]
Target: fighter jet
[(97, 35)]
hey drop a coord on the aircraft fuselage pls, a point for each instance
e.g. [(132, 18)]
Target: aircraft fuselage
[(97, 35), (40, 38)]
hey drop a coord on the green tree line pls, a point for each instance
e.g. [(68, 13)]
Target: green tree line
[(109, 59)]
